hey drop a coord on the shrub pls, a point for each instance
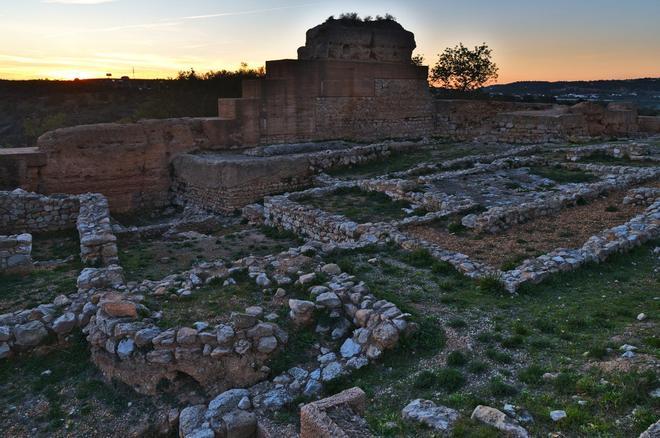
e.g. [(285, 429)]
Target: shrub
[(450, 379), (456, 359), (477, 367), (513, 341), (532, 375), (424, 380), (565, 383), (456, 227), (500, 389), (442, 267), (598, 352), (419, 258), (456, 323), (498, 356), (520, 328), (491, 284)]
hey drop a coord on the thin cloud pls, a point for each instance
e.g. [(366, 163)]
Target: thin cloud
[(168, 22), (78, 2), (251, 12)]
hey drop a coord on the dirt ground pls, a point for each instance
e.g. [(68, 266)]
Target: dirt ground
[(568, 229)]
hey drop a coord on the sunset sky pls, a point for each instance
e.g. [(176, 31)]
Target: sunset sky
[(531, 39)]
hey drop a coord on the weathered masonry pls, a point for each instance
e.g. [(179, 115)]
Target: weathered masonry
[(352, 81)]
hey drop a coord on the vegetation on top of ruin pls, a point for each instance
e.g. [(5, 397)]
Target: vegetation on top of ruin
[(353, 18)]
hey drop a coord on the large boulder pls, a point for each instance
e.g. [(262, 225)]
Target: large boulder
[(30, 334), (500, 421), (428, 413)]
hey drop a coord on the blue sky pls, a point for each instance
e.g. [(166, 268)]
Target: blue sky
[(535, 40)]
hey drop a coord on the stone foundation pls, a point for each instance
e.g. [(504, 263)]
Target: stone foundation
[(23, 212), (128, 345), (98, 245), (15, 253)]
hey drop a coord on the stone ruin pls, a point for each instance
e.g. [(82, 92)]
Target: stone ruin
[(351, 40), (352, 97), (353, 81)]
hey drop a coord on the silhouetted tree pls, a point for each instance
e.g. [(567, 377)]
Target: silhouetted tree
[(463, 69), (417, 59)]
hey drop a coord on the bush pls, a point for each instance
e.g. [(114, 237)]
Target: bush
[(491, 284), (450, 379), (532, 375), (425, 379), (456, 359), (419, 258), (456, 323), (498, 356), (500, 389), (477, 367), (513, 342)]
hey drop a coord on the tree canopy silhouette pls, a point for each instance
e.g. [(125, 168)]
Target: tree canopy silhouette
[(462, 69)]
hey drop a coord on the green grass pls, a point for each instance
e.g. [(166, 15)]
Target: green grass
[(73, 392), (602, 158), (26, 291), (211, 303), (561, 175), (360, 206), (393, 163), (545, 328)]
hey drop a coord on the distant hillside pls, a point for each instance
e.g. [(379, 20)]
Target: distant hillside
[(644, 92)]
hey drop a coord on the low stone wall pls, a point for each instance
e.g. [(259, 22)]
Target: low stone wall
[(380, 326), (403, 190), (642, 196), (24, 212), (538, 127), (622, 238), (128, 345), (497, 219), (281, 212), (27, 329), (225, 183), (631, 151), (15, 253), (98, 245)]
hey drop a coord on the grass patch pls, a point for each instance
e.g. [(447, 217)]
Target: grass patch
[(360, 206), (562, 175)]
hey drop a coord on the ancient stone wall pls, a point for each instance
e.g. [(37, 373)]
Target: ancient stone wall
[(380, 40), (128, 163), (649, 124), (301, 100), (463, 120), (15, 253), (98, 245), (27, 329), (127, 345), (538, 127), (23, 212), (224, 184), (316, 224)]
